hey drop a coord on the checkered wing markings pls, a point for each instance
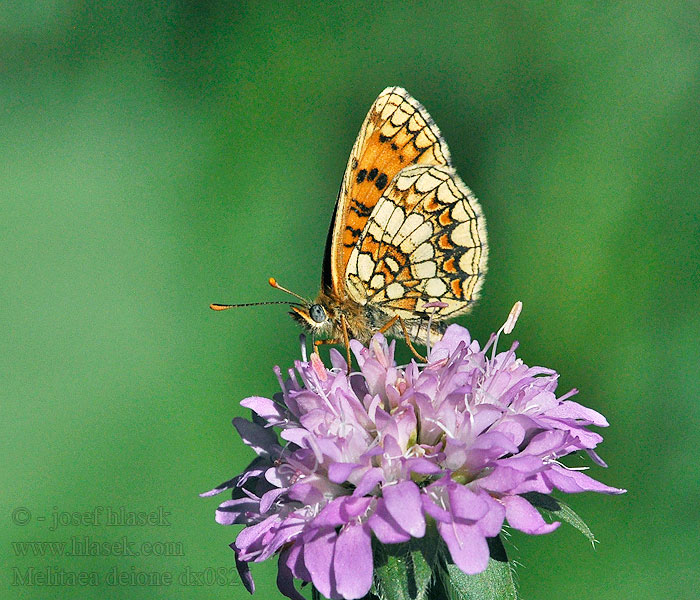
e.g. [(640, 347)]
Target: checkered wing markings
[(424, 241), (396, 133)]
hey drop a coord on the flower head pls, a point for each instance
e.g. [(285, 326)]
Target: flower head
[(388, 450)]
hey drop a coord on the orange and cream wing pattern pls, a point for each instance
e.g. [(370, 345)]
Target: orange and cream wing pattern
[(397, 133), (425, 241)]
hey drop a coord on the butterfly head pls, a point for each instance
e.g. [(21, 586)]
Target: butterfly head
[(313, 316)]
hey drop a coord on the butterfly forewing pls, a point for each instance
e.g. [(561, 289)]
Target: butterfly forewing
[(397, 133), (425, 241)]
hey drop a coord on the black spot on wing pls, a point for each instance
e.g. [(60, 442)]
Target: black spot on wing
[(360, 209), (381, 182)]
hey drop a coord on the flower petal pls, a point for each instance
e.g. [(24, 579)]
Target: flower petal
[(265, 408), (244, 572), (268, 498), (573, 410), (465, 504), (352, 562), (285, 579), (511, 472), (338, 472), (295, 561), (491, 523), (318, 558), (234, 511), (369, 481), (259, 438), (453, 336), (433, 510), (295, 435), (422, 466), (338, 361), (222, 487), (403, 501), (387, 530), (525, 517), (330, 514), (467, 546), (252, 534), (574, 481), (594, 457)]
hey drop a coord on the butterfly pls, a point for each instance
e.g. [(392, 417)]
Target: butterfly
[(407, 247)]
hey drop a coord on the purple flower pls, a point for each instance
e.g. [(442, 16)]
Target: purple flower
[(388, 451)]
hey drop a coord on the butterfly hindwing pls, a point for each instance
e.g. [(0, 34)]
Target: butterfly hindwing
[(397, 133), (425, 241)]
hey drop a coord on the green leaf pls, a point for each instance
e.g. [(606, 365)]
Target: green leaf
[(404, 571), (560, 511), (495, 583)]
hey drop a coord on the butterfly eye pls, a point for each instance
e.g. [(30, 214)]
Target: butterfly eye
[(317, 313)]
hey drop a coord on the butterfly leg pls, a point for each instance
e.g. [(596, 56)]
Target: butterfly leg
[(345, 340), (408, 341), (318, 343), (388, 326)]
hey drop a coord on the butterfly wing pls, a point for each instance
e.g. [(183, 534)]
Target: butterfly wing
[(397, 132), (425, 241)]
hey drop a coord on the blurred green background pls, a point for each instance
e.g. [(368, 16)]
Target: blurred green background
[(160, 156)]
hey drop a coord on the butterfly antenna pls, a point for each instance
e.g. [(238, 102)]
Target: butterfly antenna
[(273, 282), (227, 306)]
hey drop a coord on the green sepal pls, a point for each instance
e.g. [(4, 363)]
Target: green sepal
[(553, 507), (497, 582), (405, 571)]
